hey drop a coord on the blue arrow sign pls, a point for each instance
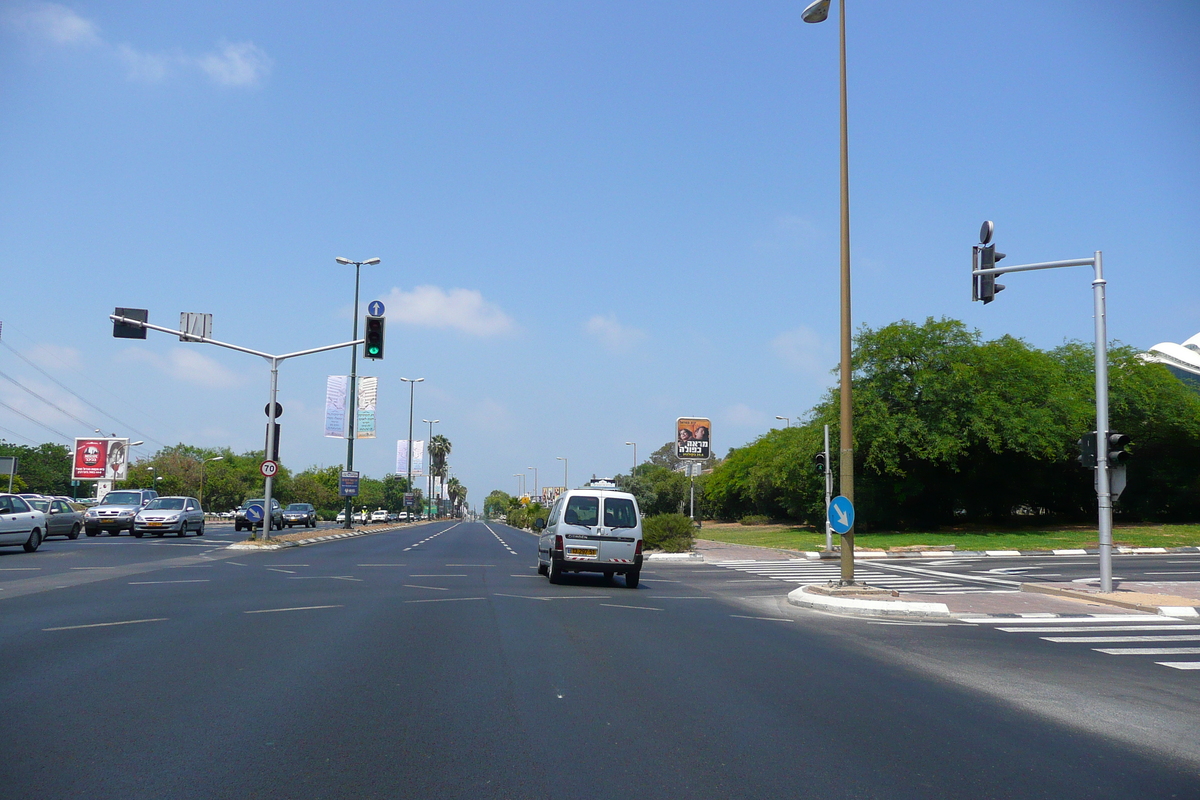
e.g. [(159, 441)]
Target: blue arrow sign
[(375, 308), (841, 514), (254, 513)]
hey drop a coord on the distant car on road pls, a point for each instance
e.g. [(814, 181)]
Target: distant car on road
[(379, 516), (300, 514), (341, 517), (163, 514), (61, 519), (116, 511), (240, 521), (21, 523)]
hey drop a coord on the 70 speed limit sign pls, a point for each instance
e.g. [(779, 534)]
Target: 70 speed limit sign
[(268, 468)]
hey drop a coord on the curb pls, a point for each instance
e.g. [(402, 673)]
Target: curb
[(1091, 597), (866, 608), (313, 540), (675, 557), (824, 555)]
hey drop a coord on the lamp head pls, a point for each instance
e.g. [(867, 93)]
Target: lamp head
[(341, 260), (816, 12), (371, 261)]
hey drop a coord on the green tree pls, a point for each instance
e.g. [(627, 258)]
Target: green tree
[(496, 503)]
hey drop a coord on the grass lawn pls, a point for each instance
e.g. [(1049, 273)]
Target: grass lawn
[(790, 537)]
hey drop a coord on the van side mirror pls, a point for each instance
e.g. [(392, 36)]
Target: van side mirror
[(539, 524)]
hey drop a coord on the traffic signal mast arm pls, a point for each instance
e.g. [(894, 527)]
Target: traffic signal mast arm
[(1074, 262), (190, 338)]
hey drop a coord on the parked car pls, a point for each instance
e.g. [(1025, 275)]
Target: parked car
[(61, 519), (300, 514), (341, 517), (240, 521), (361, 517), (21, 523), (594, 529), (163, 514), (379, 516), (116, 511)]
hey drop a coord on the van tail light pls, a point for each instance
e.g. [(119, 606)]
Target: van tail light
[(558, 543), (638, 550)]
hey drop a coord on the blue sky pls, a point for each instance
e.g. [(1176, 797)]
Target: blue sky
[(593, 217)]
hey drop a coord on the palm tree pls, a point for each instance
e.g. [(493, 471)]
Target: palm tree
[(439, 448), (456, 492)]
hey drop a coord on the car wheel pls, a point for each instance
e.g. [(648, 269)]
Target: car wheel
[(136, 534), (608, 576), (200, 530), (632, 577), (236, 527), (91, 531), (541, 568), (34, 541), (182, 529), (74, 534), (554, 571)]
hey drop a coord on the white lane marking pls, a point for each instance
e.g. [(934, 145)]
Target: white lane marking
[(470, 565), (295, 608), (768, 619), (19, 569), (439, 575), (381, 565), (415, 586), (148, 583), (672, 597), (1149, 651), (237, 563), (445, 600), (1179, 664), (554, 597), (639, 608), (538, 577), (288, 571), (288, 565), (93, 568), (1119, 639), (1064, 620), (325, 577), (105, 624), (664, 580), (1103, 629), (1181, 572)]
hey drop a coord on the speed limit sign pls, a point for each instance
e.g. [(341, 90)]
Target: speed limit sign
[(268, 468)]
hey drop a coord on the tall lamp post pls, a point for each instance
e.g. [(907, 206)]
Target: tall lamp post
[(520, 476), (818, 12), (202, 464), (412, 387), (634, 457), (428, 468), (352, 400), (535, 479), (788, 420), (566, 483)]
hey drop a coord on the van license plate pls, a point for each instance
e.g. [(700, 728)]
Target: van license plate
[(581, 551)]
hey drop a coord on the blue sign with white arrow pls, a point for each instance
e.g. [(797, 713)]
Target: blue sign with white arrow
[(841, 514), (254, 513), (375, 308)]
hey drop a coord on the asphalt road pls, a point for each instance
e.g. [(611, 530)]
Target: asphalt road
[(432, 662)]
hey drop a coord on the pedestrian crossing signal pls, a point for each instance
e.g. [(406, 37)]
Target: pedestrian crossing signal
[(819, 463)]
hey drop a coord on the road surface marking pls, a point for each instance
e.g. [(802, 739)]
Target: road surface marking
[(640, 608), (445, 599), (148, 583), (415, 586), (438, 575), (105, 624), (1179, 664), (1149, 651), (381, 565), (1118, 639), (768, 619), (288, 571), (296, 608)]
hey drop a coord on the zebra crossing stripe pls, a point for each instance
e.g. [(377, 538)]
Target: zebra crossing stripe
[(1179, 664), (1149, 651)]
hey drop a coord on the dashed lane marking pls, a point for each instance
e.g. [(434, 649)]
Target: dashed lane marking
[(639, 608), (105, 624), (415, 586), (149, 583), (445, 600), (294, 608), (767, 619)]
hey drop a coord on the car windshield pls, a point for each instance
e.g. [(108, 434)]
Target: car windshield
[(582, 510), (123, 499), (619, 513), (166, 503), (40, 505), (297, 507), (249, 503)]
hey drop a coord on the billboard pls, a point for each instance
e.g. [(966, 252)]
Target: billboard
[(100, 459), (692, 437)]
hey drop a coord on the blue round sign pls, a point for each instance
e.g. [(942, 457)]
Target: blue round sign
[(841, 514), (375, 308), (254, 513)]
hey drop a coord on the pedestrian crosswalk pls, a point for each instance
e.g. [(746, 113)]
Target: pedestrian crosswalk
[(802, 571), (1110, 634)]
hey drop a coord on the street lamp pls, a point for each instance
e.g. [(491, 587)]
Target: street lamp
[(352, 404), (634, 457), (787, 419), (520, 476), (818, 12), (428, 470), (566, 483), (202, 464), (535, 479), (412, 388)]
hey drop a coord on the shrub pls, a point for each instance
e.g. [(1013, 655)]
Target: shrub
[(755, 519), (670, 532)]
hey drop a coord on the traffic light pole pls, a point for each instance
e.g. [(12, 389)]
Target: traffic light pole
[(1103, 477), (270, 479), (828, 496)]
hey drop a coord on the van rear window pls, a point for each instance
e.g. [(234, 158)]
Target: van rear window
[(582, 510), (619, 513)]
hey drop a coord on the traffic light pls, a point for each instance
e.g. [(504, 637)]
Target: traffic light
[(1087, 451), (1117, 454), (819, 463), (373, 344), (985, 285), (123, 330)]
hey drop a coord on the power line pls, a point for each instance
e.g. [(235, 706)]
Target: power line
[(70, 439), (51, 403)]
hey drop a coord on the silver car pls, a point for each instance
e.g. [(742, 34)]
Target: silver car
[(175, 514), (20, 523), (61, 518)]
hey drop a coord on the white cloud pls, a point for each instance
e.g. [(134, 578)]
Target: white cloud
[(46, 354), (188, 365), (237, 64), (802, 350), (463, 310), (56, 24), (611, 334), (146, 67)]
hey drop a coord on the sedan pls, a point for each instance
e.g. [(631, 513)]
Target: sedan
[(21, 523), (175, 514), (61, 519)]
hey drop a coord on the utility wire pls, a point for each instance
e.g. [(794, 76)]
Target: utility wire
[(11, 432), (70, 439), (51, 403)]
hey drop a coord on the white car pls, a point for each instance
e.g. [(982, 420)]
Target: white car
[(21, 523), (594, 529), (379, 516)]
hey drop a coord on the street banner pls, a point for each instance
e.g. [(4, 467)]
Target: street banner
[(336, 388), (365, 416), (692, 437), (418, 457), (99, 459), (551, 493), (418, 465)]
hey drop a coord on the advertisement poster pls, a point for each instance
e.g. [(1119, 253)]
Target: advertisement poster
[(336, 388), (418, 457), (692, 437), (365, 418), (98, 459)]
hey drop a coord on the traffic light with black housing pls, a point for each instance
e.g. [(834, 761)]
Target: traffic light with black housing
[(373, 338), (985, 285), (1117, 454), (1087, 451), (819, 463)]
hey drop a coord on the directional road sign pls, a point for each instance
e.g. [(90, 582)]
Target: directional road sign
[(375, 308), (841, 514), (268, 468), (254, 513)]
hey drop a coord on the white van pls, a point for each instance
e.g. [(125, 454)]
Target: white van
[(593, 529)]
